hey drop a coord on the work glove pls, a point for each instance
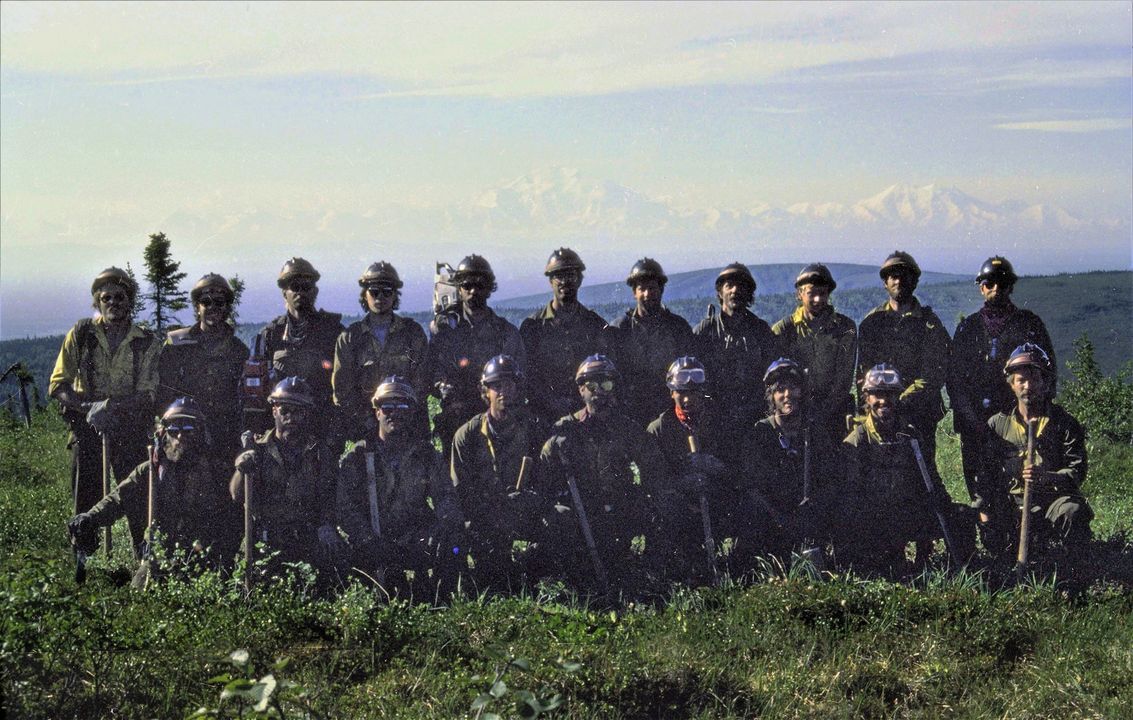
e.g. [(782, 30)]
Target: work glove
[(83, 532), (705, 463), (101, 416), (246, 462)]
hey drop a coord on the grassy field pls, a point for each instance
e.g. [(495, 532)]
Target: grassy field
[(781, 644)]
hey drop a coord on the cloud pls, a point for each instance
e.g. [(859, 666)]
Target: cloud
[(1070, 126), (525, 49)]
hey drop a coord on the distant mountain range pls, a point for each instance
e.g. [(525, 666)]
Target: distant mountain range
[(518, 223)]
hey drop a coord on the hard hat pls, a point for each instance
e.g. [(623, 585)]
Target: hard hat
[(646, 269), (296, 267)]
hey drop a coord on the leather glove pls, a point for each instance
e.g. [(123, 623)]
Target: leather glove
[(705, 464), (100, 416), (83, 533), (246, 462)]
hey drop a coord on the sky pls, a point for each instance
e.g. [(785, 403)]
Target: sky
[(349, 133)]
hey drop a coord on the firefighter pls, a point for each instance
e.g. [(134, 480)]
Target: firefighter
[(650, 337), (788, 471), (559, 337), (300, 343), (381, 344), (205, 361), (191, 512), (884, 498), (464, 340), (293, 476), (394, 501), (493, 468), (823, 342), (602, 521), (975, 379), (736, 345), (1060, 514), (699, 448), (105, 380)]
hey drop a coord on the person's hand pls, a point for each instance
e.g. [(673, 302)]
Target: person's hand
[(100, 416), (83, 533), (705, 463), (246, 462)]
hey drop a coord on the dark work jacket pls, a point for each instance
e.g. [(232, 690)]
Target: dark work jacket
[(457, 353), (556, 344), (976, 385), (599, 455), (915, 343), (361, 363), (196, 365), (825, 347), (883, 471), (291, 498), (404, 482), (484, 469), (311, 358), (191, 503), (778, 472), (645, 347), (1060, 447), (736, 351)]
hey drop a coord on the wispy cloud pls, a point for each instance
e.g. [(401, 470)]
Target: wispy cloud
[(1070, 126), (526, 49)]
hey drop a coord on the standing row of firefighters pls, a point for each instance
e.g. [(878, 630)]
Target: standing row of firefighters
[(620, 454)]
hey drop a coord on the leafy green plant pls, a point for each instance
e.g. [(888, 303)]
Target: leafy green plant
[(243, 695), (1104, 405), (527, 704)]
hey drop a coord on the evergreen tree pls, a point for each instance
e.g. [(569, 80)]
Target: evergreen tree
[(237, 284), (139, 305), (163, 275)]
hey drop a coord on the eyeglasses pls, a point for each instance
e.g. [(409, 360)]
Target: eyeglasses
[(380, 290), (179, 430), (208, 301), (596, 385), (690, 376), (113, 297), (301, 286), (566, 276), (388, 408)]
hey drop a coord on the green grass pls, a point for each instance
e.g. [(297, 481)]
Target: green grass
[(782, 646)]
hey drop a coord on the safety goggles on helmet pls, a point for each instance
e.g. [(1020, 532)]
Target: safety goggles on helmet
[(388, 408), (688, 376), (594, 386)]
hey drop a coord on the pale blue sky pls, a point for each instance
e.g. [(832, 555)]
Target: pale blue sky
[(123, 119)]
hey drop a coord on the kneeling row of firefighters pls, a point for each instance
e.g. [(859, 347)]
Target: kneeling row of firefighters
[(595, 499)]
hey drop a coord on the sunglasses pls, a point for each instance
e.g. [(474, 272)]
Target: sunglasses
[(179, 430), (596, 385), (473, 285), (212, 302), (389, 408), (380, 290), (988, 283), (288, 409), (561, 277), (301, 286), (113, 297)]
